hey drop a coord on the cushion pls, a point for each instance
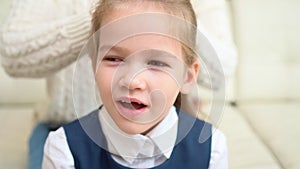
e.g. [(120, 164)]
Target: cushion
[(278, 126)]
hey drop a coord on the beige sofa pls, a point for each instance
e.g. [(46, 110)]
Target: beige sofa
[(262, 130)]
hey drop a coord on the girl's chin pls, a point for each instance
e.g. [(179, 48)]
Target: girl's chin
[(136, 124), (141, 117)]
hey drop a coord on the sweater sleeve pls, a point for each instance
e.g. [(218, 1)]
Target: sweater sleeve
[(39, 38)]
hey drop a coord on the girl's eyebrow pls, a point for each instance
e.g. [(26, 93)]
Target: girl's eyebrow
[(118, 49), (124, 51)]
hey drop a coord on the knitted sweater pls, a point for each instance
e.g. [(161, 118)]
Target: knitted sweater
[(44, 38), (39, 39)]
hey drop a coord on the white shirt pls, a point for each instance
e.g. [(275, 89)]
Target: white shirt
[(153, 147), (141, 151)]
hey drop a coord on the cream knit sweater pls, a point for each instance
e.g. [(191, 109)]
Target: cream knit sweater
[(44, 38)]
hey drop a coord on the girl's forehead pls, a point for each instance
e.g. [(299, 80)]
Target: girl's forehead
[(148, 42), (144, 44), (137, 28)]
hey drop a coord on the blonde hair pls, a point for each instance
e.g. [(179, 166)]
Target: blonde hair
[(179, 8)]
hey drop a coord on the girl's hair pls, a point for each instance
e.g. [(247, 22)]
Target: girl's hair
[(179, 8)]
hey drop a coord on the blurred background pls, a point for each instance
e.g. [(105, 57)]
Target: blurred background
[(261, 117), (18, 98)]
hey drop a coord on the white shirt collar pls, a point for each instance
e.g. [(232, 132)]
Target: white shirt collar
[(160, 140)]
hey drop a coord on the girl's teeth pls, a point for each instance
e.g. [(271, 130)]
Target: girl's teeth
[(123, 101)]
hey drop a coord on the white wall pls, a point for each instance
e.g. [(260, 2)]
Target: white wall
[(18, 90)]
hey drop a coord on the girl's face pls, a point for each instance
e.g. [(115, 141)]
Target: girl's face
[(140, 77)]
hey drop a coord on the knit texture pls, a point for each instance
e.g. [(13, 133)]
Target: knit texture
[(43, 39)]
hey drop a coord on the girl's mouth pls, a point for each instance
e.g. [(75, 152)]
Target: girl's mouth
[(131, 107)]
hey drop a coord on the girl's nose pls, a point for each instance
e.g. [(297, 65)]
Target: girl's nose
[(133, 83)]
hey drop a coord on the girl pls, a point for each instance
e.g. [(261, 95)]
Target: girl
[(144, 62)]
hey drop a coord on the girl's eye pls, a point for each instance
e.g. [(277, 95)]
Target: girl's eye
[(157, 63), (113, 59)]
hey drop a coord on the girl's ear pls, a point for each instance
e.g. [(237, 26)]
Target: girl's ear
[(190, 78)]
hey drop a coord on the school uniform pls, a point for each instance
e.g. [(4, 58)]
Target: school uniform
[(95, 141)]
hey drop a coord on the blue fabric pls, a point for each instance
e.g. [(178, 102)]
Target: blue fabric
[(36, 143), (189, 153)]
